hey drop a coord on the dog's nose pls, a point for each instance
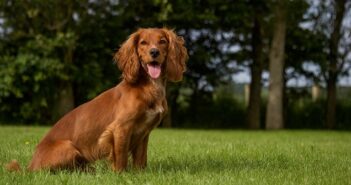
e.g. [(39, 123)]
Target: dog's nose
[(154, 52)]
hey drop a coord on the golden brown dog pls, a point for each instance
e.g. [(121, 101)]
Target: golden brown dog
[(118, 121)]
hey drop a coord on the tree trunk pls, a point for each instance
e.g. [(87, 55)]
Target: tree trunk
[(65, 96), (333, 69), (253, 110), (274, 116), (331, 99), (65, 100)]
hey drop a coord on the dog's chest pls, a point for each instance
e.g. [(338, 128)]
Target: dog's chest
[(150, 119), (154, 114), (153, 108)]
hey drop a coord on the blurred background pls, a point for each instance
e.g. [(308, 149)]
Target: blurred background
[(252, 64)]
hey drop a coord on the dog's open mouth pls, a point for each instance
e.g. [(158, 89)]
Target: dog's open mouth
[(154, 69)]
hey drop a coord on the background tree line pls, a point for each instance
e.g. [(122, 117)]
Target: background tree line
[(56, 55)]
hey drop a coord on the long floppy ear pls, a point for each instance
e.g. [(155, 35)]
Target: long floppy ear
[(176, 57), (127, 59)]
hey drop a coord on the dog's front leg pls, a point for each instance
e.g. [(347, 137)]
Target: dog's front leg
[(140, 154), (121, 147)]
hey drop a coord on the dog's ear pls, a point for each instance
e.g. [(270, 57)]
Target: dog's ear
[(127, 58), (176, 57)]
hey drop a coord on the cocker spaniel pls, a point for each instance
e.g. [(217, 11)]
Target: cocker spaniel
[(118, 121)]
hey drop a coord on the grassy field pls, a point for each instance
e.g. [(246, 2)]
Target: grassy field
[(203, 157)]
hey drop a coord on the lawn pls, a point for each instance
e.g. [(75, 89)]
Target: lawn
[(203, 157)]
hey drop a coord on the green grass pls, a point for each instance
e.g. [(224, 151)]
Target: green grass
[(203, 157)]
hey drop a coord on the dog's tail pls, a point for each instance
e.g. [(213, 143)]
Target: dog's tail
[(13, 166)]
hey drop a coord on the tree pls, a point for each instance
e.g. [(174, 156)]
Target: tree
[(274, 117), (210, 28), (253, 111), (333, 56), (55, 58), (38, 28), (326, 20)]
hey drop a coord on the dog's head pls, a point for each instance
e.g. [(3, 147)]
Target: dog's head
[(159, 52)]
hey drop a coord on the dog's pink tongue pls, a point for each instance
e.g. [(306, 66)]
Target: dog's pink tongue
[(154, 70)]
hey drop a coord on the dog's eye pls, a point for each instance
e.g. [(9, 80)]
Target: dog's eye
[(162, 41), (143, 42)]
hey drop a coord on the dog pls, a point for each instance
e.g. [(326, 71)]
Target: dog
[(118, 122)]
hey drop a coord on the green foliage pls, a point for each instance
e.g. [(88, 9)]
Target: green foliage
[(26, 79), (226, 109), (223, 112), (343, 118), (43, 48), (203, 157), (305, 113)]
